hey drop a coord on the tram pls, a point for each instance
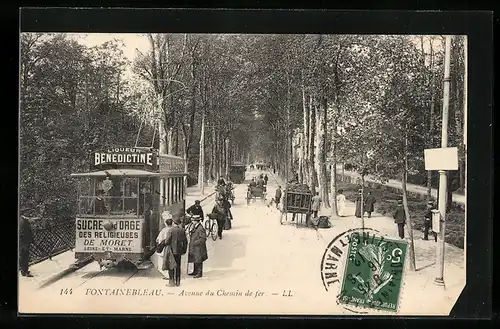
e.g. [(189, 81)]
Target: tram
[(120, 204)]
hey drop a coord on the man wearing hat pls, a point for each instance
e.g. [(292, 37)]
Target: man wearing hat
[(219, 212), (176, 240), (369, 204), (428, 221), (197, 252), (400, 219), (196, 209), (25, 240)]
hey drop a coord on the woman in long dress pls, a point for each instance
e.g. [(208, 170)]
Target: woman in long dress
[(341, 203), (358, 205)]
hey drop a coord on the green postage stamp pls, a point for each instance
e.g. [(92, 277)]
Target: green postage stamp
[(373, 272)]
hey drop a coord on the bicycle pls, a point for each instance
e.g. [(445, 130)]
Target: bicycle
[(211, 227)]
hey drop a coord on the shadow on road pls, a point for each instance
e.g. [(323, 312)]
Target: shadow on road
[(426, 266), (121, 271)]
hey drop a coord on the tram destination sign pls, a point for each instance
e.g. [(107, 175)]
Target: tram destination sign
[(170, 164), (126, 156)]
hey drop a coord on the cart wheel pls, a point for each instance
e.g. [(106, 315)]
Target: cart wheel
[(207, 227), (214, 231)]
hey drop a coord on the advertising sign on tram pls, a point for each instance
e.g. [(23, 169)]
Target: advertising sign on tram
[(102, 235), (126, 156), (171, 164)]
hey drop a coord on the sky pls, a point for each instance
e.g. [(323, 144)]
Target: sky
[(131, 41), (134, 41)]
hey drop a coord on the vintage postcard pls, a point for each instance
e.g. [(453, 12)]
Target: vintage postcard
[(277, 174)]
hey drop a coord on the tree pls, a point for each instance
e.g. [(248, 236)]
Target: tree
[(70, 97), (160, 67)]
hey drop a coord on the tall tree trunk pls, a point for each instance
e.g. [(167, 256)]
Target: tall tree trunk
[(305, 139), (213, 159), (163, 131), (362, 205), (220, 154), (430, 139), (322, 115), (227, 157), (411, 252), (333, 174), (176, 141), (201, 163), (216, 156), (312, 139)]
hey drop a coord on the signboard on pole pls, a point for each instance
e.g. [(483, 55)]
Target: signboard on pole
[(445, 158), (436, 221)]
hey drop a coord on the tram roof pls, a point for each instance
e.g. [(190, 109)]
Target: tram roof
[(118, 172)]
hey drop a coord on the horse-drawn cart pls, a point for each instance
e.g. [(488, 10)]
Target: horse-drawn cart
[(255, 192), (297, 201)]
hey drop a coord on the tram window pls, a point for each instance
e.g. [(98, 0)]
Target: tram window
[(130, 195), (145, 197), (170, 191), (109, 196), (174, 190), (179, 195), (167, 191)]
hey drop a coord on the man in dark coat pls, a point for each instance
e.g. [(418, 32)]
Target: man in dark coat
[(197, 252), (260, 182), (196, 209), (369, 204), (253, 183), (277, 196), (221, 182), (177, 240), (100, 205), (220, 214), (229, 216), (428, 221), (400, 219), (25, 241), (266, 178)]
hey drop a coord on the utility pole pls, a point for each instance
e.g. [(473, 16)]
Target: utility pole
[(443, 179)]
